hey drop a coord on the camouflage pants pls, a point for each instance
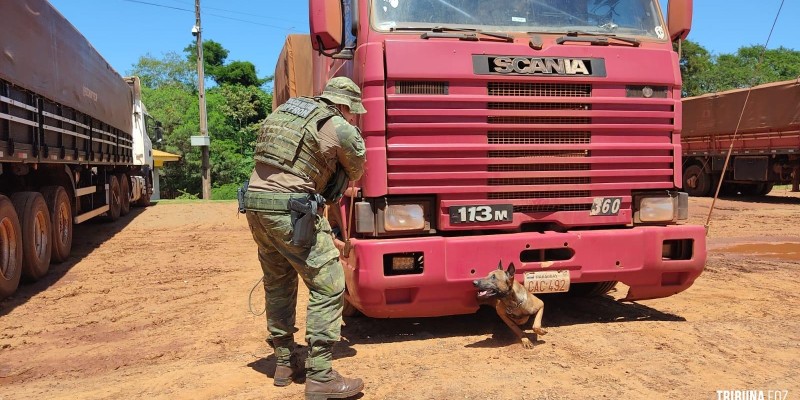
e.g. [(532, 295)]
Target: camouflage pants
[(319, 267)]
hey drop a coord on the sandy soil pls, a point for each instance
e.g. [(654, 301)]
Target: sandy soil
[(155, 306)]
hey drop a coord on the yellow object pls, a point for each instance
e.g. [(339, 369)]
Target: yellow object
[(160, 157)]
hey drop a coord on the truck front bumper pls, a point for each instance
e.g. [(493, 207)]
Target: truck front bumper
[(642, 257)]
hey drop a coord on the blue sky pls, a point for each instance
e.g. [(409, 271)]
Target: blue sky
[(123, 30)]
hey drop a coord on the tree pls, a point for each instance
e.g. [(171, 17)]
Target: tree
[(235, 108), (704, 73), (171, 69), (696, 66), (214, 55)]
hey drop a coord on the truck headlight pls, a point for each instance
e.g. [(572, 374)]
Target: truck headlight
[(403, 217), (657, 209), (662, 207)]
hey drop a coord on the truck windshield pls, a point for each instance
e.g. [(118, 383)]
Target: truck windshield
[(623, 17)]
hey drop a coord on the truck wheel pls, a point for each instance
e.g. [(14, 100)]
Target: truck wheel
[(350, 310), (766, 189), (37, 244), (125, 194), (696, 182), (114, 199), (591, 289), (10, 248), (61, 221), (144, 201)]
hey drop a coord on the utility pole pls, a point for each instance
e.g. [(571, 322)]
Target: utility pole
[(206, 170)]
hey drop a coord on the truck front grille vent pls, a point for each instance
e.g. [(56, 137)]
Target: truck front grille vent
[(538, 181), (538, 167), (539, 195), (421, 87), (540, 106), (553, 208), (519, 89), (541, 120), (539, 137), (537, 153)]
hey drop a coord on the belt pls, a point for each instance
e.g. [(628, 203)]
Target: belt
[(268, 201)]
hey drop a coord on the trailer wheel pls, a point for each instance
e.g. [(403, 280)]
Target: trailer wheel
[(61, 221), (37, 243), (114, 199), (591, 289), (10, 248), (696, 182), (125, 194)]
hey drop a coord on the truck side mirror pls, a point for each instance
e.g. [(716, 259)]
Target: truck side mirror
[(159, 133), (326, 23), (679, 19)]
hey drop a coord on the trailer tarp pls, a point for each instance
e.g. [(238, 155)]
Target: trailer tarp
[(294, 70), (773, 107), (42, 52)]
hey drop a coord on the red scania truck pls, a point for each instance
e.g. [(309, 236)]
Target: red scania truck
[(74, 140), (540, 132)]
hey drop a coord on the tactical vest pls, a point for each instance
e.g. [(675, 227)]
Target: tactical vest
[(289, 140)]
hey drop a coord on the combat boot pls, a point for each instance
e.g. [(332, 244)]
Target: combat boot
[(285, 374), (337, 388)]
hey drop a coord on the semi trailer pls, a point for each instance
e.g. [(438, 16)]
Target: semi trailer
[(74, 141)]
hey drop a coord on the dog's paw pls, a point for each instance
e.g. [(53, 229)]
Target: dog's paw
[(539, 331), (526, 343)]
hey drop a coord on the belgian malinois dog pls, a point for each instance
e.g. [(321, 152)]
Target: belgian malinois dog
[(513, 303)]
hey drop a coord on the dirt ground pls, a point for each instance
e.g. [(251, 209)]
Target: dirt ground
[(155, 306)]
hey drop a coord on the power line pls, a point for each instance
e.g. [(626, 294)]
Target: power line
[(291, 28), (243, 13)]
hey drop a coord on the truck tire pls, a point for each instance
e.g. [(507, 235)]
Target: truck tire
[(591, 289), (144, 201), (61, 221), (10, 248), (349, 310), (35, 228), (125, 194), (113, 199), (766, 188), (696, 182)]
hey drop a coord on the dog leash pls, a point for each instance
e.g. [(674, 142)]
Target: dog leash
[(250, 300)]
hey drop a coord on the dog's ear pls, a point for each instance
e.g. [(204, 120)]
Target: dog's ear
[(511, 270), (500, 265)]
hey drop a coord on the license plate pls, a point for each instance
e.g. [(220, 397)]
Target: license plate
[(547, 281), (492, 213), (606, 206)]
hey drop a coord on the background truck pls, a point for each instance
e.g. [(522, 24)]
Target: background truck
[(73, 139), (544, 133), (766, 151)]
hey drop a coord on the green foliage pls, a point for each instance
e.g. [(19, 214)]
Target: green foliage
[(238, 73), (170, 70), (214, 55), (706, 73), (234, 114), (187, 196), (225, 192)]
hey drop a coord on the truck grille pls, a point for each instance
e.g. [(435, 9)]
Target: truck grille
[(546, 148), (539, 89)]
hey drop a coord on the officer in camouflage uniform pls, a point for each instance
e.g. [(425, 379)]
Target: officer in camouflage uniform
[(306, 149)]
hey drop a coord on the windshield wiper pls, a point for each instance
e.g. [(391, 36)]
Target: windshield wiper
[(596, 39), (459, 33)]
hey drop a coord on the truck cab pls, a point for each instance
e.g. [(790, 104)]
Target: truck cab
[(544, 133)]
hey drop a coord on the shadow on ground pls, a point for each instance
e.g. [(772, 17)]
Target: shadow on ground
[(560, 310), (85, 238)]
